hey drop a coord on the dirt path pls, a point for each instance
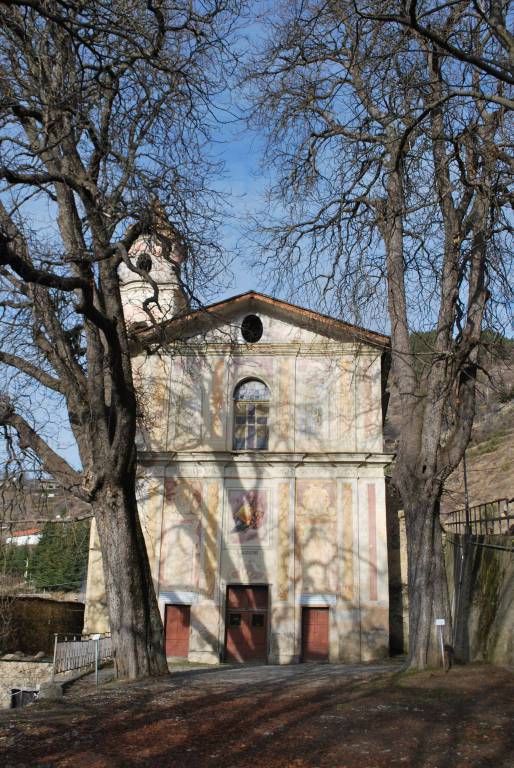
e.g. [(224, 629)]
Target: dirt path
[(278, 717)]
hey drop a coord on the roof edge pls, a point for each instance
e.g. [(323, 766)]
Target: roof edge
[(373, 337)]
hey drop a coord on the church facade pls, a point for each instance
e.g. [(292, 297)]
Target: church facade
[(262, 493)]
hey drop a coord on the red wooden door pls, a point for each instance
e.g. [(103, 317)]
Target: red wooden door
[(315, 634), (247, 624), (177, 630)]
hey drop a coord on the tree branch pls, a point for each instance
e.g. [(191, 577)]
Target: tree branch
[(52, 463), (411, 21), (24, 366)]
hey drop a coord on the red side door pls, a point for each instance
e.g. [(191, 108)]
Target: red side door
[(315, 634), (177, 623), (247, 624)]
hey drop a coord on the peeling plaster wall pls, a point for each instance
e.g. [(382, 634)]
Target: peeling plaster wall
[(325, 396), (300, 550), (318, 492)]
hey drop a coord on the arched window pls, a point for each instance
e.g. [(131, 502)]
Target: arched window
[(251, 411)]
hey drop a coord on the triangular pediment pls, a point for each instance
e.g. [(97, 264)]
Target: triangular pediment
[(225, 317)]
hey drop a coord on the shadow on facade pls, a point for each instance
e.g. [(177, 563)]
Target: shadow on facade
[(317, 540)]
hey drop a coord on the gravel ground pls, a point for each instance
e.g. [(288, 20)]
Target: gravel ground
[(305, 716)]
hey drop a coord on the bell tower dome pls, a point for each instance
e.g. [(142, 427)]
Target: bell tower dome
[(160, 254)]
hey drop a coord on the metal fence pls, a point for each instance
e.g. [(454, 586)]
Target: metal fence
[(78, 651), (494, 517)]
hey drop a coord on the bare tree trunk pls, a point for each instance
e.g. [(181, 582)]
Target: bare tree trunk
[(428, 587), (366, 156), (135, 622)]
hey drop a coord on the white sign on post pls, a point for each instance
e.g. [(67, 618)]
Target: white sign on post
[(440, 623), (96, 637)]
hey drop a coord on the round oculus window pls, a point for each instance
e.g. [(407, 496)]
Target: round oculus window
[(251, 328), (144, 262)]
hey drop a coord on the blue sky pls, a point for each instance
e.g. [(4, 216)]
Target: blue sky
[(244, 186), (243, 181), (240, 151)]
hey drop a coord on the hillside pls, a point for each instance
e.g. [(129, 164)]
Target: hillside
[(32, 501), (489, 459)]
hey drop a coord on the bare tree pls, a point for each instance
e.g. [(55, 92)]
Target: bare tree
[(391, 186), (105, 110), (474, 33)]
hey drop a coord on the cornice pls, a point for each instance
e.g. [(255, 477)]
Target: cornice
[(263, 458), (287, 349)]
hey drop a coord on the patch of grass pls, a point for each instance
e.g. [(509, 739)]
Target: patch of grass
[(487, 446)]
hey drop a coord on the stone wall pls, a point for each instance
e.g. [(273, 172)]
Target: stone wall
[(481, 585), (481, 582), (24, 674), (33, 621)]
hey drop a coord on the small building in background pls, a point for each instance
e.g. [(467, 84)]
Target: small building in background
[(27, 537)]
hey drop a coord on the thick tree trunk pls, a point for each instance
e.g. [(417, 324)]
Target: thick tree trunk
[(136, 626), (428, 587)]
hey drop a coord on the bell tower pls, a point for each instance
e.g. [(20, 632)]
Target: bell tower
[(160, 254)]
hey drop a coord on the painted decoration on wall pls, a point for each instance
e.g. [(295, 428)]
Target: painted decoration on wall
[(347, 433), (210, 540), (151, 379), (217, 400), (316, 403), (284, 541), (319, 560), (252, 367), (310, 419), (369, 421), (284, 417), (249, 515), (313, 398), (317, 535), (180, 534), (372, 536), (185, 412), (184, 497), (179, 561), (315, 500), (249, 566)]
